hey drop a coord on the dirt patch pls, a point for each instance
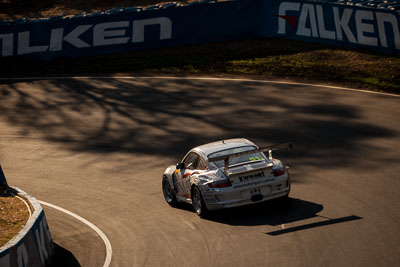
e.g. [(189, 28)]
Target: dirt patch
[(13, 217), (34, 9)]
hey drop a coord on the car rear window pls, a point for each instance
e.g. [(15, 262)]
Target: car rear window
[(237, 160)]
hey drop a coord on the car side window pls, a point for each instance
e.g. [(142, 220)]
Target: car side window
[(202, 165), (191, 161)]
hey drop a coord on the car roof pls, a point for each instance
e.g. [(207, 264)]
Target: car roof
[(209, 148)]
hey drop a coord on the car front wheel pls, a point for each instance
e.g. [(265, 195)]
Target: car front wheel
[(169, 196)]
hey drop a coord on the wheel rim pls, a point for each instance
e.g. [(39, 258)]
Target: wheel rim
[(168, 195), (197, 200)]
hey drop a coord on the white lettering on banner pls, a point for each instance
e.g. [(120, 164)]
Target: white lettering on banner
[(102, 35), (110, 33), (138, 28), (362, 28), (343, 24), (39, 232), (5, 260), (309, 20), (285, 6), (73, 36), (323, 32), (7, 44), (389, 18), (307, 11), (56, 38), (24, 46), (22, 256)]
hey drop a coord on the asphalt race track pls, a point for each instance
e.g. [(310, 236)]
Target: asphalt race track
[(98, 147)]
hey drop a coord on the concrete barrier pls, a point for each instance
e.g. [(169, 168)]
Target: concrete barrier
[(33, 246)]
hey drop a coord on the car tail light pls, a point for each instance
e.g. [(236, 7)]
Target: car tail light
[(220, 184), (278, 172)]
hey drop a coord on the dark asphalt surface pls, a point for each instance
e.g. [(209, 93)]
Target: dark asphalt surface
[(98, 148)]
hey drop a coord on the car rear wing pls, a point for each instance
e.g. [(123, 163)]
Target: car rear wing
[(268, 149)]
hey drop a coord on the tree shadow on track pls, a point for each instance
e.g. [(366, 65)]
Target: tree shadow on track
[(168, 117)]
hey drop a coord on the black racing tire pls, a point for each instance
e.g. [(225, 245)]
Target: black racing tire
[(169, 196), (198, 203)]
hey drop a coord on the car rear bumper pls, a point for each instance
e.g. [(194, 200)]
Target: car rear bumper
[(230, 197), (222, 205)]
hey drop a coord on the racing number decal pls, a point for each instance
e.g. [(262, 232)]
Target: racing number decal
[(255, 158)]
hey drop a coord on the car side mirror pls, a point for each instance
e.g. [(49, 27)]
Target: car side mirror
[(180, 166)]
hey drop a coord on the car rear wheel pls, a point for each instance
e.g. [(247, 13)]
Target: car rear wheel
[(169, 196), (198, 202)]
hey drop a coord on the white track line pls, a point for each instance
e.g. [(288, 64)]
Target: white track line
[(197, 78), (91, 225)]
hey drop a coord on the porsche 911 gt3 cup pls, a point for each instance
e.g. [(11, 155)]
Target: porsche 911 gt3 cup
[(226, 174)]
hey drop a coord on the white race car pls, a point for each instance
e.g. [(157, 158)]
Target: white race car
[(226, 174)]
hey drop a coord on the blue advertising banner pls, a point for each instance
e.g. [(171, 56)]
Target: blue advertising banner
[(334, 24), (129, 30), (135, 29)]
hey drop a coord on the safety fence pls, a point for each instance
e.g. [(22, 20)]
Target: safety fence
[(129, 29)]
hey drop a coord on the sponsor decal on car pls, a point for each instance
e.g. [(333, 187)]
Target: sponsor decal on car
[(245, 178), (254, 183)]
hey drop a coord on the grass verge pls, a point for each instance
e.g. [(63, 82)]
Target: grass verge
[(261, 58), (13, 216)]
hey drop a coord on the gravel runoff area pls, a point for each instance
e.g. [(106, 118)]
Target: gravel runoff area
[(13, 216)]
